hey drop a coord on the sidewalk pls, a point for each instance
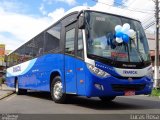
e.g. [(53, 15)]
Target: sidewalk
[(5, 91)]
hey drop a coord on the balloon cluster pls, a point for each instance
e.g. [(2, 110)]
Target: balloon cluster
[(123, 33)]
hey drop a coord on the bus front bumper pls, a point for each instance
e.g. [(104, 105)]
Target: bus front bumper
[(112, 86)]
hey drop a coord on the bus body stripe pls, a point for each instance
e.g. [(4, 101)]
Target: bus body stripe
[(22, 68)]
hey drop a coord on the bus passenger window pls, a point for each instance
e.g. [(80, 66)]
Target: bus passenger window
[(29, 50), (80, 44), (40, 51), (70, 37), (52, 38), (39, 44)]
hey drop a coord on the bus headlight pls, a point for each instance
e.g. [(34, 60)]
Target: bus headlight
[(97, 71)]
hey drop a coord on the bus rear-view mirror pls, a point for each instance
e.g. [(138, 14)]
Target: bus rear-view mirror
[(81, 22)]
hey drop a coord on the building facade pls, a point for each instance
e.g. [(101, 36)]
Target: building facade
[(2, 60), (152, 46)]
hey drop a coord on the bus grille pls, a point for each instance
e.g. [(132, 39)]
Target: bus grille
[(136, 87)]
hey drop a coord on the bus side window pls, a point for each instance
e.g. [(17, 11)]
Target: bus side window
[(39, 45), (52, 38), (40, 51), (70, 37), (29, 50), (80, 45)]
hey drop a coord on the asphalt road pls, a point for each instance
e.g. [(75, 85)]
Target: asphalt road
[(41, 103)]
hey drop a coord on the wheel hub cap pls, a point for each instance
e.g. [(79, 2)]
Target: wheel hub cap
[(57, 90)]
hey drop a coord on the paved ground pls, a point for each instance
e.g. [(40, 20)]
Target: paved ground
[(5, 91), (41, 103)]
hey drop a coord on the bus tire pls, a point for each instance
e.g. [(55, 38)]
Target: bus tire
[(18, 90), (107, 98), (57, 91)]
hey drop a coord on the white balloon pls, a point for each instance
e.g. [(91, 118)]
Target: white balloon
[(125, 28), (131, 33), (119, 40), (118, 28)]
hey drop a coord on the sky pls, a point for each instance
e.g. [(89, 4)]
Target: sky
[(21, 20)]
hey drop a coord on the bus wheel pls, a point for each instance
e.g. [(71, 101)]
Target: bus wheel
[(18, 90), (107, 98), (57, 90)]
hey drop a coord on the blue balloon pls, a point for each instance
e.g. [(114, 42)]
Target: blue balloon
[(119, 34), (125, 38)]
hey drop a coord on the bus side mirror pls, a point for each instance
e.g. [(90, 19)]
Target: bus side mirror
[(81, 22)]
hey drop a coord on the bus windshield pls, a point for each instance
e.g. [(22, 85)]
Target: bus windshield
[(101, 39)]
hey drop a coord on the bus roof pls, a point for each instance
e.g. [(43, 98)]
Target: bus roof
[(80, 8)]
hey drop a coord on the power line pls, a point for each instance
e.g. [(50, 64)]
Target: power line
[(130, 9), (134, 8), (147, 19), (149, 25), (132, 2)]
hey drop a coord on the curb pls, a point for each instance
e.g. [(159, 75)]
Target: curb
[(6, 95), (158, 97)]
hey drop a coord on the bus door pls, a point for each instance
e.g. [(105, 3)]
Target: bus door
[(70, 60), (80, 64)]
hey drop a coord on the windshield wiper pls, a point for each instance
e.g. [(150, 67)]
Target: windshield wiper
[(140, 55)]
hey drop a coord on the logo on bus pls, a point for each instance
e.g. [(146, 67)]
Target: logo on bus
[(16, 69), (130, 72)]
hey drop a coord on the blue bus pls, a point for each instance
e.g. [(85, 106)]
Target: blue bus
[(88, 53)]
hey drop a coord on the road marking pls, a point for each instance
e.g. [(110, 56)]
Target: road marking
[(10, 97)]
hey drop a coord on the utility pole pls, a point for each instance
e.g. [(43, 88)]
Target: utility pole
[(156, 71)]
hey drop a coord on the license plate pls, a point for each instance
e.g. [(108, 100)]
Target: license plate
[(129, 93)]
